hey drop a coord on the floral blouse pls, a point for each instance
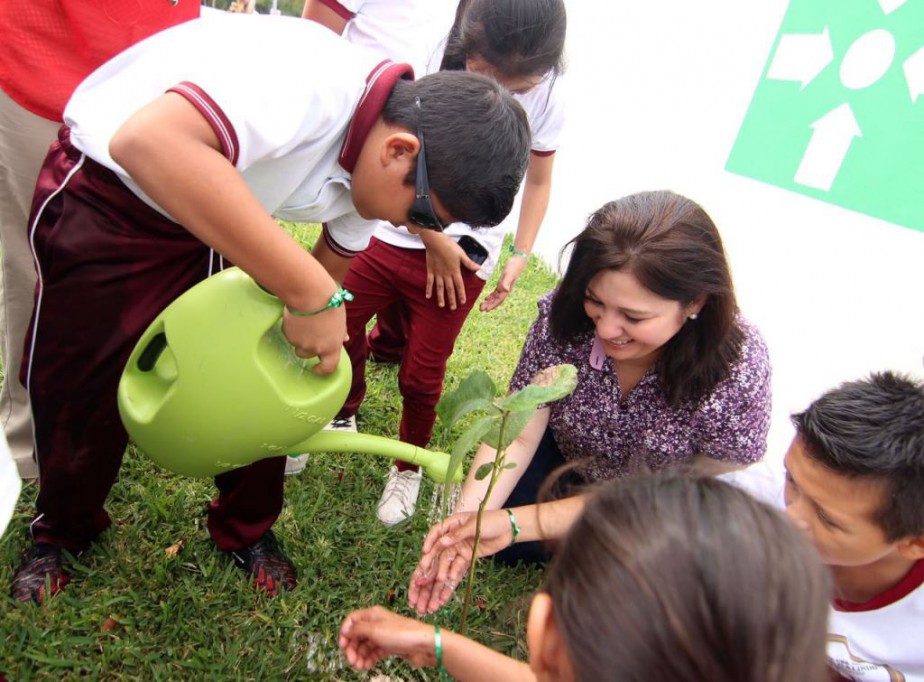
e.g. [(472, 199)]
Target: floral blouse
[(616, 434)]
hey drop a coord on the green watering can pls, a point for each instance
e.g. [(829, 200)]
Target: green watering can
[(213, 385)]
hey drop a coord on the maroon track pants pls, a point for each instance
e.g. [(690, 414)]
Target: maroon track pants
[(385, 276), (108, 265)]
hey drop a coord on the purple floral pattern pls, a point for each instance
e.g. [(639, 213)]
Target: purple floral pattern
[(615, 435)]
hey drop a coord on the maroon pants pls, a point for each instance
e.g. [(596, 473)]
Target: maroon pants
[(384, 277), (108, 265)]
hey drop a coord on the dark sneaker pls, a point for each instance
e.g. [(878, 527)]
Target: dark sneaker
[(41, 574), (267, 564)]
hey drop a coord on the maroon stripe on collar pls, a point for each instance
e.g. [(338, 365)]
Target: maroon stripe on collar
[(913, 580), (334, 246), (339, 9), (214, 115), (379, 84), (542, 152)]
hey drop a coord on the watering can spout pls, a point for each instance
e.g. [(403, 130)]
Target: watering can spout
[(213, 385), (436, 464)]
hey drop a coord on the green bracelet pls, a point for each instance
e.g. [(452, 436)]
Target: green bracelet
[(335, 301), (516, 252), (438, 645), (513, 525)]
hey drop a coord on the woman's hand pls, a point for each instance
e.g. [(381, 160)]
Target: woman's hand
[(447, 555), (445, 260), (369, 635)]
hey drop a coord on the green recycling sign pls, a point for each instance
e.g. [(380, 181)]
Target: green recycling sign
[(839, 112)]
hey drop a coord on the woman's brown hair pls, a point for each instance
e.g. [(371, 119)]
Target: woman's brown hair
[(673, 248), (673, 579)]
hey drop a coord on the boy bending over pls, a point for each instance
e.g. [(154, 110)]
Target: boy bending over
[(176, 155)]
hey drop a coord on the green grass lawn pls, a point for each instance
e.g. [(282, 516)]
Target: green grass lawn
[(136, 613)]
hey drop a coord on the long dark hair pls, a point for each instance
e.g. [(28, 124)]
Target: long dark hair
[(674, 250), (673, 579), (519, 38)]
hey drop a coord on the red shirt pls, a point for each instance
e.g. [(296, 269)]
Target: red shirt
[(49, 46)]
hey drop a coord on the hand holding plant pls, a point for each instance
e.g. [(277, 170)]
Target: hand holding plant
[(447, 554), (503, 419)]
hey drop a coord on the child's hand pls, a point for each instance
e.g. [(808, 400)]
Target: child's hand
[(321, 335), (369, 635), (445, 260), (512, 271)]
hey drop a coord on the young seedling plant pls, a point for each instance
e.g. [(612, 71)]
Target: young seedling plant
[(501, 421)]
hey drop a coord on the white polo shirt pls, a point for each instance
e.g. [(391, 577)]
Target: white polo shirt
[(410, 30), (881, 640), (290, 102), (415, 31)]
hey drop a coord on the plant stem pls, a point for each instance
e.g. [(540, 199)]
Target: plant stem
[(500, 459)]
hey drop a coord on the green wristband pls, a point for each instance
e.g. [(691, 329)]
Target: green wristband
[(438, 645), (516, 252), (335, 301), (513, 525)]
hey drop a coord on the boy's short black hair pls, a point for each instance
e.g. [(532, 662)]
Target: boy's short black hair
[(477, 138), (874, 427)]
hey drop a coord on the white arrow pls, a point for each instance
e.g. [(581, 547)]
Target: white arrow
[(914, 74), (801, 57), (825, 153), (889, 6)]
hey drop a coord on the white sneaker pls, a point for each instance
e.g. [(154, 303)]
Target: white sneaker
[(345, 424), (399, 499), (296, 465)]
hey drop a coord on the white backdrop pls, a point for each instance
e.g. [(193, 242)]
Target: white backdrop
[(657, 90)]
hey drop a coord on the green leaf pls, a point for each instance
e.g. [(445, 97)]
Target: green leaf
[(484, 470), (510, 465), (470, 438), (516, 422), (474, 393), (552, 383)]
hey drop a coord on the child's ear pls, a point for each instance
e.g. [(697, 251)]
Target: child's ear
[(399, 146), (548, 657), (913, 548)]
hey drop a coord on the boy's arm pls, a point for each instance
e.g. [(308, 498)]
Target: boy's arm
[(175, 157), (324, 15), (537, 188)]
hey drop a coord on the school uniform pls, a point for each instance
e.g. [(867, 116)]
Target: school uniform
[(110, 259), (881, 638), (875, 641), (389, 279)]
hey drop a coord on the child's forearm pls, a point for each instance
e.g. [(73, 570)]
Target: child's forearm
[(467, 660), (537, 188), (172, 153)]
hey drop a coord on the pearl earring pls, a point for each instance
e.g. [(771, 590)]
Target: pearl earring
[(694, 316)]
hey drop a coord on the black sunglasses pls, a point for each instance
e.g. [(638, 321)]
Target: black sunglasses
[(422, 212)]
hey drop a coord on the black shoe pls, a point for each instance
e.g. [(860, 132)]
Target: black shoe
[(267, 564), (40, 575)]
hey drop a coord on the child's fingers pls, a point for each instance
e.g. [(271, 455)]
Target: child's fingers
[(328, 362)]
